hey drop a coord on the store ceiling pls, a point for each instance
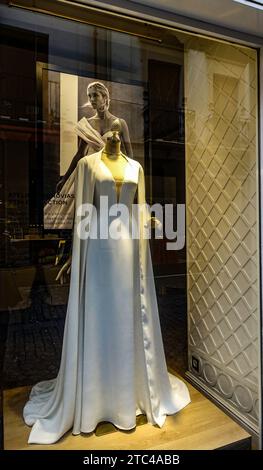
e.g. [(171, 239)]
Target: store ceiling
[(225, 13)]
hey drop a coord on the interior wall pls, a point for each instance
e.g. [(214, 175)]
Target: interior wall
[(222, 227)]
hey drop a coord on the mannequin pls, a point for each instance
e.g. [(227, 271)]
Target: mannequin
[(115, 160)]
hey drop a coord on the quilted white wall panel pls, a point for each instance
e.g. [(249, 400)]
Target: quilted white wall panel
[(222, 221)]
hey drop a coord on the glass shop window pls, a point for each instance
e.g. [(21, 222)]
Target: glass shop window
[(187, 109)]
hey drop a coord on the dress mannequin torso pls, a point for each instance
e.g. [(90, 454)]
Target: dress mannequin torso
[(115, 161)]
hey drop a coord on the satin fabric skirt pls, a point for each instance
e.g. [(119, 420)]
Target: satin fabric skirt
[(117, 379)]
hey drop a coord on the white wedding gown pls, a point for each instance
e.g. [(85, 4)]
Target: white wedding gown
[(117, 369)]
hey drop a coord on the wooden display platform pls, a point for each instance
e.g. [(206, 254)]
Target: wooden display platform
[(199, 426)]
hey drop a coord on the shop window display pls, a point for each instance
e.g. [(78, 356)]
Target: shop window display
[(144, 97)]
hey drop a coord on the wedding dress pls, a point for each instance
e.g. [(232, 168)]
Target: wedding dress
[(113, 365)]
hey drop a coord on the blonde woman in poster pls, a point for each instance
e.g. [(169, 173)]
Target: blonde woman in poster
[(93, 132)]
